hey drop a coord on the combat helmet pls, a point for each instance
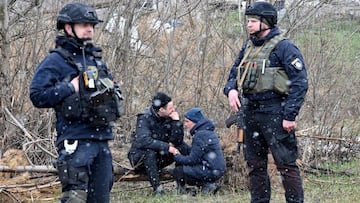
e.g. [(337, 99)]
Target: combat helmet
[(265, 10), (76, 13)]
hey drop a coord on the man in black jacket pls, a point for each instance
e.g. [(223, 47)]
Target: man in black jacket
[(158, 128), (270, 72), (85, 162)]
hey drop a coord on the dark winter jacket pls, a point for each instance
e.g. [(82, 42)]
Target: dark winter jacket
[(51, 85), (155, 132), (205, 160), (282, 55)]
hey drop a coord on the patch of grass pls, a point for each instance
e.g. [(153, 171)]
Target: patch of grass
[(331, 189), (324, 188), (339, 185)]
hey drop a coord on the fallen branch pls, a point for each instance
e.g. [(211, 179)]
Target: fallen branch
[(121, 173), (314, 169), (34, 168), (301, 133), (339, 139)]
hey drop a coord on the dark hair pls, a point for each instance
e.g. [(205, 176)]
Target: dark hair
[(159, 100)]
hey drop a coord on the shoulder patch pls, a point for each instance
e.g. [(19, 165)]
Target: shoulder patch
[(297, 64)]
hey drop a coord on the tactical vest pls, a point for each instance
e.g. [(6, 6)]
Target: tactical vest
[(259, 76), (99, 101)]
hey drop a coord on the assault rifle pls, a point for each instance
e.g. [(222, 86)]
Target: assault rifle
[(238, 119)]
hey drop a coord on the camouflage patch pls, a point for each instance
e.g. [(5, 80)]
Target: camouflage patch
[(296, 63)]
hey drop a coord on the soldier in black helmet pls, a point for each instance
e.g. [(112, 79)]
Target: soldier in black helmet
[(269, 73), (75, 82)]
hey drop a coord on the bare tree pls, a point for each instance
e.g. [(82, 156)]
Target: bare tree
[(185, 48)]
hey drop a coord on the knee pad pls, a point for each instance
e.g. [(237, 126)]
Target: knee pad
[(75, 196)]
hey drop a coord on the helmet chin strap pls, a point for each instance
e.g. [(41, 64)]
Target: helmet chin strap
[(82, 41), (260, 30)]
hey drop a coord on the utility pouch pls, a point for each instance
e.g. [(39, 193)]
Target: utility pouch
[(102, 108), (251, 77), (69, 174), (62, 168), (281, 82), (71, 107), (283, 149)]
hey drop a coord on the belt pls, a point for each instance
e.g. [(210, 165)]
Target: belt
[(265, 102)]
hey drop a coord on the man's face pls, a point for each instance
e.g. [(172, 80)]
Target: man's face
[(253, 25), (188, 124), (167, 110), (82, 30)]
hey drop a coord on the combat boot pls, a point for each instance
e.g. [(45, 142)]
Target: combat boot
[(158, 191), (210, 188)]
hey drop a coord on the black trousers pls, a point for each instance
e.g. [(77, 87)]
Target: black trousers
[(264, 133), (151, 162), (181, 178)]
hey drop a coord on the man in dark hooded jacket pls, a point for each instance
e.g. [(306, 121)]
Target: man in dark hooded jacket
[(205, 163), (158, 128)]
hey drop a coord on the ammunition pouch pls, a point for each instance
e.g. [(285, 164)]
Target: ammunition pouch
[(281, 82), (272, 78), (104, 105), (101, 109), (250, 78), (260, 77)]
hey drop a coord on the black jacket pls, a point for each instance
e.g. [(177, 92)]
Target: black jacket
[(155, 132), (51, 85)]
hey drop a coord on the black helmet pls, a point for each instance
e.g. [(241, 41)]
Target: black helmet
[(76, 13), (264, 10)]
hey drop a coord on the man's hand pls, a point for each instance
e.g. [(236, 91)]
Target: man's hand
[(173, 150), (234, 101), (175, 116), (75, 83), (288, 125)]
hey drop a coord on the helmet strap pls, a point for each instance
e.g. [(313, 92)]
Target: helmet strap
[(73, 31), (260, 28), (82, 41)]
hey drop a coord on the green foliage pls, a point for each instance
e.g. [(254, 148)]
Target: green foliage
[(340, 34), (231, 23)]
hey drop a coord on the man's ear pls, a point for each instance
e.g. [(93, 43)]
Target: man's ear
[(68, 29), (162, 109)]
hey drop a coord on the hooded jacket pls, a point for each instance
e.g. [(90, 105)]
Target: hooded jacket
[(205, 160)]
